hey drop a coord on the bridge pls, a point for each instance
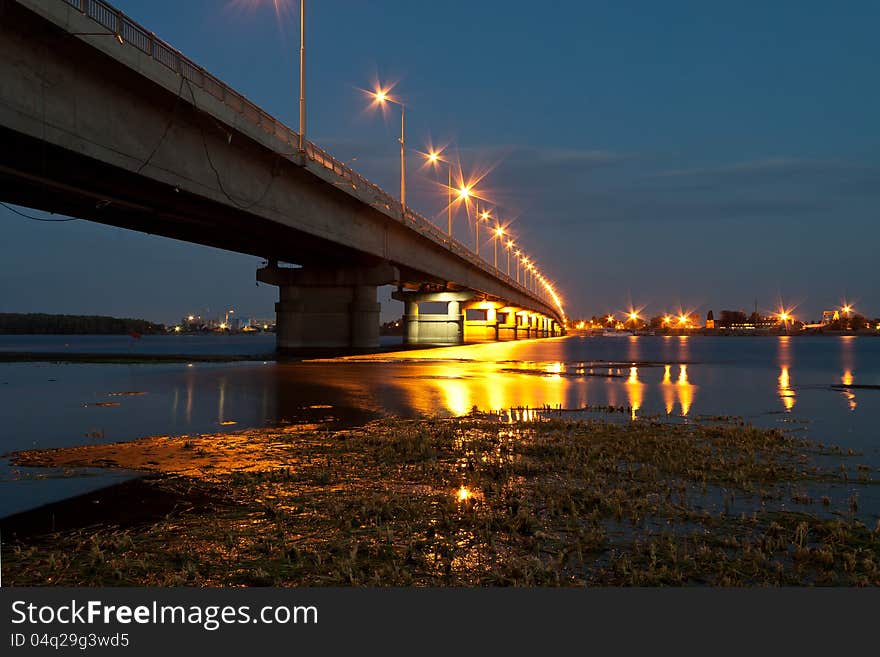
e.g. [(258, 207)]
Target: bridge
[(102, 120)]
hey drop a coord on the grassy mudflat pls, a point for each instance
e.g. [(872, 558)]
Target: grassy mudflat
[(478, 500)]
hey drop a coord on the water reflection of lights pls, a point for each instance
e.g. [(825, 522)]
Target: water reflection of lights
[(221, 403), (847, 363), (668, 389), (847, 380), (190, 384), (455, 394), (685, 390), (786, 394), (634, 390), (458, 388), (522, 415)]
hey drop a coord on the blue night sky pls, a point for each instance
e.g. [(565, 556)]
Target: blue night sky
[(701, 154)]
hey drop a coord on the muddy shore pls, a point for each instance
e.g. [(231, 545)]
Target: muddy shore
[(479, 500)]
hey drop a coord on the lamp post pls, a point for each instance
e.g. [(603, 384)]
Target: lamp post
[(434, 159), (382, 97), (499, 233), (480, 216), (302, 75), (302, 64), (509, 247)]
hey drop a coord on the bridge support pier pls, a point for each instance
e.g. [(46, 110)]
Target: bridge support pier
[(481, 322), (507, 323), (333, 309), (433, 328)]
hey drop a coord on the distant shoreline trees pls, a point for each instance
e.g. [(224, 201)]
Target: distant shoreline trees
[(44, 324)]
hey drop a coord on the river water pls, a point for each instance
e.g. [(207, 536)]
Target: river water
[(771, 381)]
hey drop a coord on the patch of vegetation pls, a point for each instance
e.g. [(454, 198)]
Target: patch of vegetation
[(41, 323), (479, 501)]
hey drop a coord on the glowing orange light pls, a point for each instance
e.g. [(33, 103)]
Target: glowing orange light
[(464, 192), (464, 494), (499, 231)]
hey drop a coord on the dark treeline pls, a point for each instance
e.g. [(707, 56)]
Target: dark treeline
[(38, 323)]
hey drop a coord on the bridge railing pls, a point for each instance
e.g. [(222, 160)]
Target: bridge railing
[(129, 31)]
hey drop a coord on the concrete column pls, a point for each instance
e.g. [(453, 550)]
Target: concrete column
[(364, 315), (410, 322), (333, 310), (433, 329), (481, 330), (456, 320), (508, 329)]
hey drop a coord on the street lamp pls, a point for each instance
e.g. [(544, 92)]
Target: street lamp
[(785, 317), (276, 4), (302, 75), (382, 97), (509, 247), (847, 310), (485, 215), (498, 234), (434, 159)]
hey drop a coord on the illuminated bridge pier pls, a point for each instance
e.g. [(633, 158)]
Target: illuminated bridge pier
[(468, 320), (330, 308)]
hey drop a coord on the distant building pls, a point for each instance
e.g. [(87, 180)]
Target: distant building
[(192, 322), (829, 316), (261, 324), (737, 320), (710, 320)]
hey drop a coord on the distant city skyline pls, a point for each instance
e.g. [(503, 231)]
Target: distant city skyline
[(677, 155)]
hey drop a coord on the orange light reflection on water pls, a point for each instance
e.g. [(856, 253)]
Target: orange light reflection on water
[(634, 390), (847, 363), (786, 394), (668, 389), (685, 390)]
